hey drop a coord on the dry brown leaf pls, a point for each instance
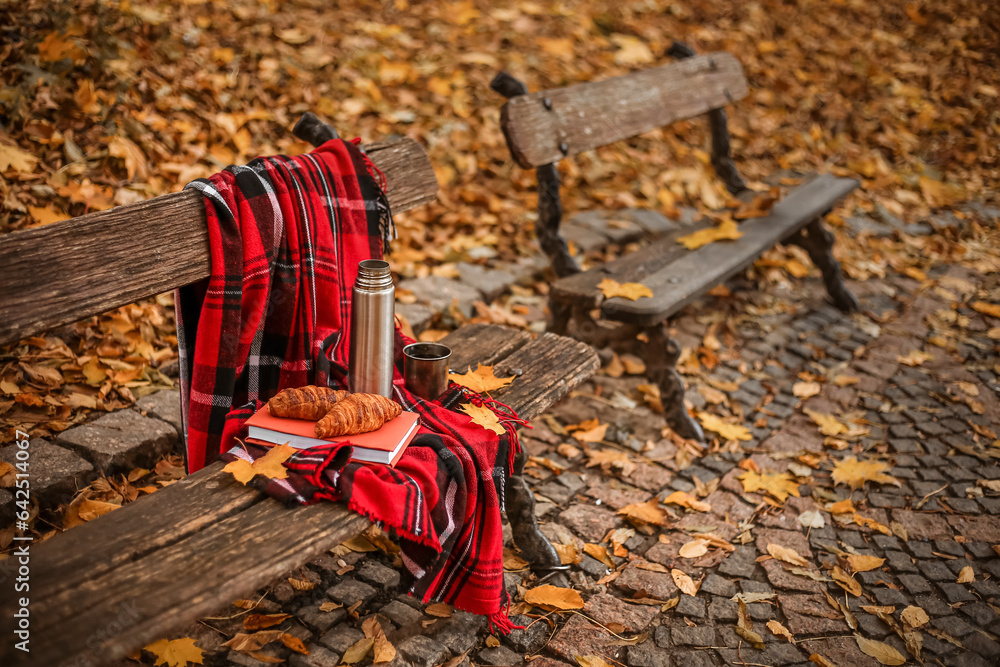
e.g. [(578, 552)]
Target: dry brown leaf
[(694, 549), (866, 522), (599, 552), (778, 630), (914, 358), (685, 499), (383, 650), (294, 643), (358, 651), (806, 389), (592, 661), (439, 610), (594, 434), (176, 652), (966, 576), (991, 309), (568, 554), (631, 291), (914, 616), (846, 582), (684, 582), (778, 484), (787, 555), (881, 651), (512, 562), (861, 563), (330, 606), (271, 465), (648, 512), (481, 380), (554, 598), (483, 416), (744, 626), (821, 661), (492, 641), (301, 584), (633, 364), (855, 473), (261, 621), (244, 642)]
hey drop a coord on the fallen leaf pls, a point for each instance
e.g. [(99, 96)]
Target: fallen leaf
[(383, 650), (262, 621), (554, 598), (828, 424), (914, 616), (811, 519), (330, 606), (726, 430), (46, 215), (648, 512), (778, 630), (684, 582), (866, 522), (599, 552), (861, 563), (727, 230), (966, 576), (358, 651), (294, 643), (483, 416), (301, 584), (846, 380), (694, 549), (176, 652), (685, 499), (592, 661), (914, 358), (778, 484), (806, 389), (481, 380), (787, 555), (492, 641), (855, 473), (244, 642), (631, 291), (744, 626), (270, 465), (991, 309), (512, 562), (12, 157), (881, 651), (845, 581), (439, 610), (595, 434), (568, 553), (821, 661)]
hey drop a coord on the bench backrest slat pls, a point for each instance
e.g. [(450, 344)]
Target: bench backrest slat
[(63, 272), (589, 115)]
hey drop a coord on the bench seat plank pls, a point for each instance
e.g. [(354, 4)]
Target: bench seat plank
[(677, 275), (88, 579), (108, 259), (589, 115)]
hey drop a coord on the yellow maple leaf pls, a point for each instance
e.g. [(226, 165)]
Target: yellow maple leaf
[(483, 416), (631, 291), (855, 473), (176, 652), (727, 230), (480, 380), (726, 430), (828, 424), (47, 214), (778, 484), (13, 157), (269, 465)]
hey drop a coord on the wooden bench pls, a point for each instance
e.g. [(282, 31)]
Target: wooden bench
[(130, 577), (542, 128)]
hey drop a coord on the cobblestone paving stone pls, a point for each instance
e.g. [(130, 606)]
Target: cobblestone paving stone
[(932, 424)]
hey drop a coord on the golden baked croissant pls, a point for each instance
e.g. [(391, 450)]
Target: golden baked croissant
[(358, 413), (309, 402)]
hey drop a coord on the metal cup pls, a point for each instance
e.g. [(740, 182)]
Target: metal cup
[(425, 369)]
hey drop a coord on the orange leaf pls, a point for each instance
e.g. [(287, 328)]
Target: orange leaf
[(631, 291)]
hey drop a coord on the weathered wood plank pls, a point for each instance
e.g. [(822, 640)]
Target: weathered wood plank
[(90, 600), (589, 115), (696, 271), (550, 367), (63, 272)]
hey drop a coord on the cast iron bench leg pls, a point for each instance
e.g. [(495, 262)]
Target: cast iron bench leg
[(520, 503), (818, 242), (661, 353)]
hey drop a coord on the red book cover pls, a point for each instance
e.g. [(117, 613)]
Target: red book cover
[(384, 445)]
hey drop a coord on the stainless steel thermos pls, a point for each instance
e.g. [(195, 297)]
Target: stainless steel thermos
[(372, 328)]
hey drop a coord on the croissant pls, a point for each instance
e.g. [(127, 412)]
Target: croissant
[(358, 413), (309, 402)]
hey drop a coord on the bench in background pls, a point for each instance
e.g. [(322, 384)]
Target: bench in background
[(542, 128)]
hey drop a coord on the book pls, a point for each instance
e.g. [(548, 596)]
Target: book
[(384, 445)]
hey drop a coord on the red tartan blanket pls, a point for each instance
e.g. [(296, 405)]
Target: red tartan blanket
[(286, 237)]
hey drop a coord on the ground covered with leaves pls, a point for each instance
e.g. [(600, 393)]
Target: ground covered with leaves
[(109, 103), (845, 510)]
